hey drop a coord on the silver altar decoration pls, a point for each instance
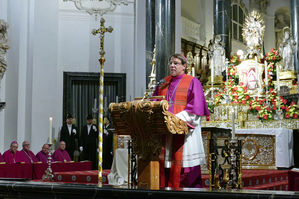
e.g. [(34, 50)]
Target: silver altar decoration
[(253, 34), (49, 176)]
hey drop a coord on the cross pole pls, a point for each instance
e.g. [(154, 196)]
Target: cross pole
[(101, 31)]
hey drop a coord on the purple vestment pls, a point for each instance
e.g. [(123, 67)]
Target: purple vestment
[(42, 157), (11, 158), (196, 102), (61, 156), (28, 156), (1, 158)]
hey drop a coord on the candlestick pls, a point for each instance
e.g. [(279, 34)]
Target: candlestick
[(233, 123), (277, 78), (193, 72), (50, 130), (116, 99)]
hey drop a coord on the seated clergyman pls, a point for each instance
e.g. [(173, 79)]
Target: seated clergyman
[(43, 155), (12, 155), (61, 154), (26, 154)]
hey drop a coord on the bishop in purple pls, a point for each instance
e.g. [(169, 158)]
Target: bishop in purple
[(43, 155), (26, 154), (12, 155), (61, 155)]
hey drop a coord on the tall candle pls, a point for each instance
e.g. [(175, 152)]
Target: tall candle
[(233, 123), (116, 99), (95, 103), (277, 78), (50, 130), (193, 71), (212, 72), (266, 74), (226, 73)]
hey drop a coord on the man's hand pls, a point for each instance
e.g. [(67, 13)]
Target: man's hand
[(81, 148)]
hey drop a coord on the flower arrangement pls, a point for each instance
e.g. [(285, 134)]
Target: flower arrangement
[(258, 106)]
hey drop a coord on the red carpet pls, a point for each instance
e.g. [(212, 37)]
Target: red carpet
[(252, 179), (261, 179)]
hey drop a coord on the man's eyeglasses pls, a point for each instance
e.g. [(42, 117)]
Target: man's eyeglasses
[(174, 63)]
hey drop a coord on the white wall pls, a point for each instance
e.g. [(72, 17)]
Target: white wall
[(48, 38)]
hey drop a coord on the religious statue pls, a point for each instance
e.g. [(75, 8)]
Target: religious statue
[(217, 56), (3, 47), (287, 49), (253, 34)]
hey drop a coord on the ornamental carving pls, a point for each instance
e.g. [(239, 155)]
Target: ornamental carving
[(146, 121)]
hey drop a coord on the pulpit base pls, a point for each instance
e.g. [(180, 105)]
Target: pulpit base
[(148, 174)]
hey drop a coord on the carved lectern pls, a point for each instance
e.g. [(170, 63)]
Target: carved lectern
[(146, 121)]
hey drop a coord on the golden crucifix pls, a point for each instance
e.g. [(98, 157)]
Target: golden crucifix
[(102, 30)]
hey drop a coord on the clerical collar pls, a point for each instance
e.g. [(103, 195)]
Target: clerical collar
[(69, 125), (177, 77)]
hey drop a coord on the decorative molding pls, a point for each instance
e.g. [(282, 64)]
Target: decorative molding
[(190, 30)]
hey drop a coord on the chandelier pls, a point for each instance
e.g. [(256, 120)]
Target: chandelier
[(98, 7)]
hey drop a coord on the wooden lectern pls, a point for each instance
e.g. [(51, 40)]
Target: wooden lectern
[(146, 121)]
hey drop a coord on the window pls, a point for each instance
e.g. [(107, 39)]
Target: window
[(238, 17)]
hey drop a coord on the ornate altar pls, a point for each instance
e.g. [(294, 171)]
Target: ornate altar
[(146, 121), (256, 90)]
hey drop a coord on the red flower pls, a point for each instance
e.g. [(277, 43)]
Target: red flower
[(270, 89), (268, 108), (287, 116), (236, 97), (247, 97), (273, 58), (287, 109), (265, 117), (272, 50), (243, 101), (250, 103), (276, 52), (282, 107), (241, 84), (260, 101), (258, 108), (295, 115), (274, 108), (284, 101), (250, 107), (292, 103), (208, 118), (235, 88), (267, 55)]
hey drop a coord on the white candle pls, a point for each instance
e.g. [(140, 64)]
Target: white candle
[(50, 130), (277, 78), (95, 103), (226, 73), (266, 74), (105, 102), (193, 71), (116, 99), (233, 123), (212, 72)]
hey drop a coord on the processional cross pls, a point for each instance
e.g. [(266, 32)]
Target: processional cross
[(99, 7)]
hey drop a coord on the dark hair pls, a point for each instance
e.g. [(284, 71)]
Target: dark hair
[(180, 57)]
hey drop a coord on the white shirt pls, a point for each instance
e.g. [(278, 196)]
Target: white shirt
[(69, 126), (88, 128)]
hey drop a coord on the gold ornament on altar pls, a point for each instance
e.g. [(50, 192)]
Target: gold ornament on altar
[(253, 33)]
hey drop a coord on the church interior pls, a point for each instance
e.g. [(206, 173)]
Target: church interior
[(83, 77)]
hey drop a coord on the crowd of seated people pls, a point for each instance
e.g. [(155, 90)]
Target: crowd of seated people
[(13, 155)]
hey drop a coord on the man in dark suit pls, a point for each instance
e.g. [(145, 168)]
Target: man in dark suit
[(69, 134), (89, 141)]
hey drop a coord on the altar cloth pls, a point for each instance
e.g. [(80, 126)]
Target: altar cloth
[(284, 155)]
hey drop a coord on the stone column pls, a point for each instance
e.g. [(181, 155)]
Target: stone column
[(164, 35), (150, 36), (295, 31), (222, 23)]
